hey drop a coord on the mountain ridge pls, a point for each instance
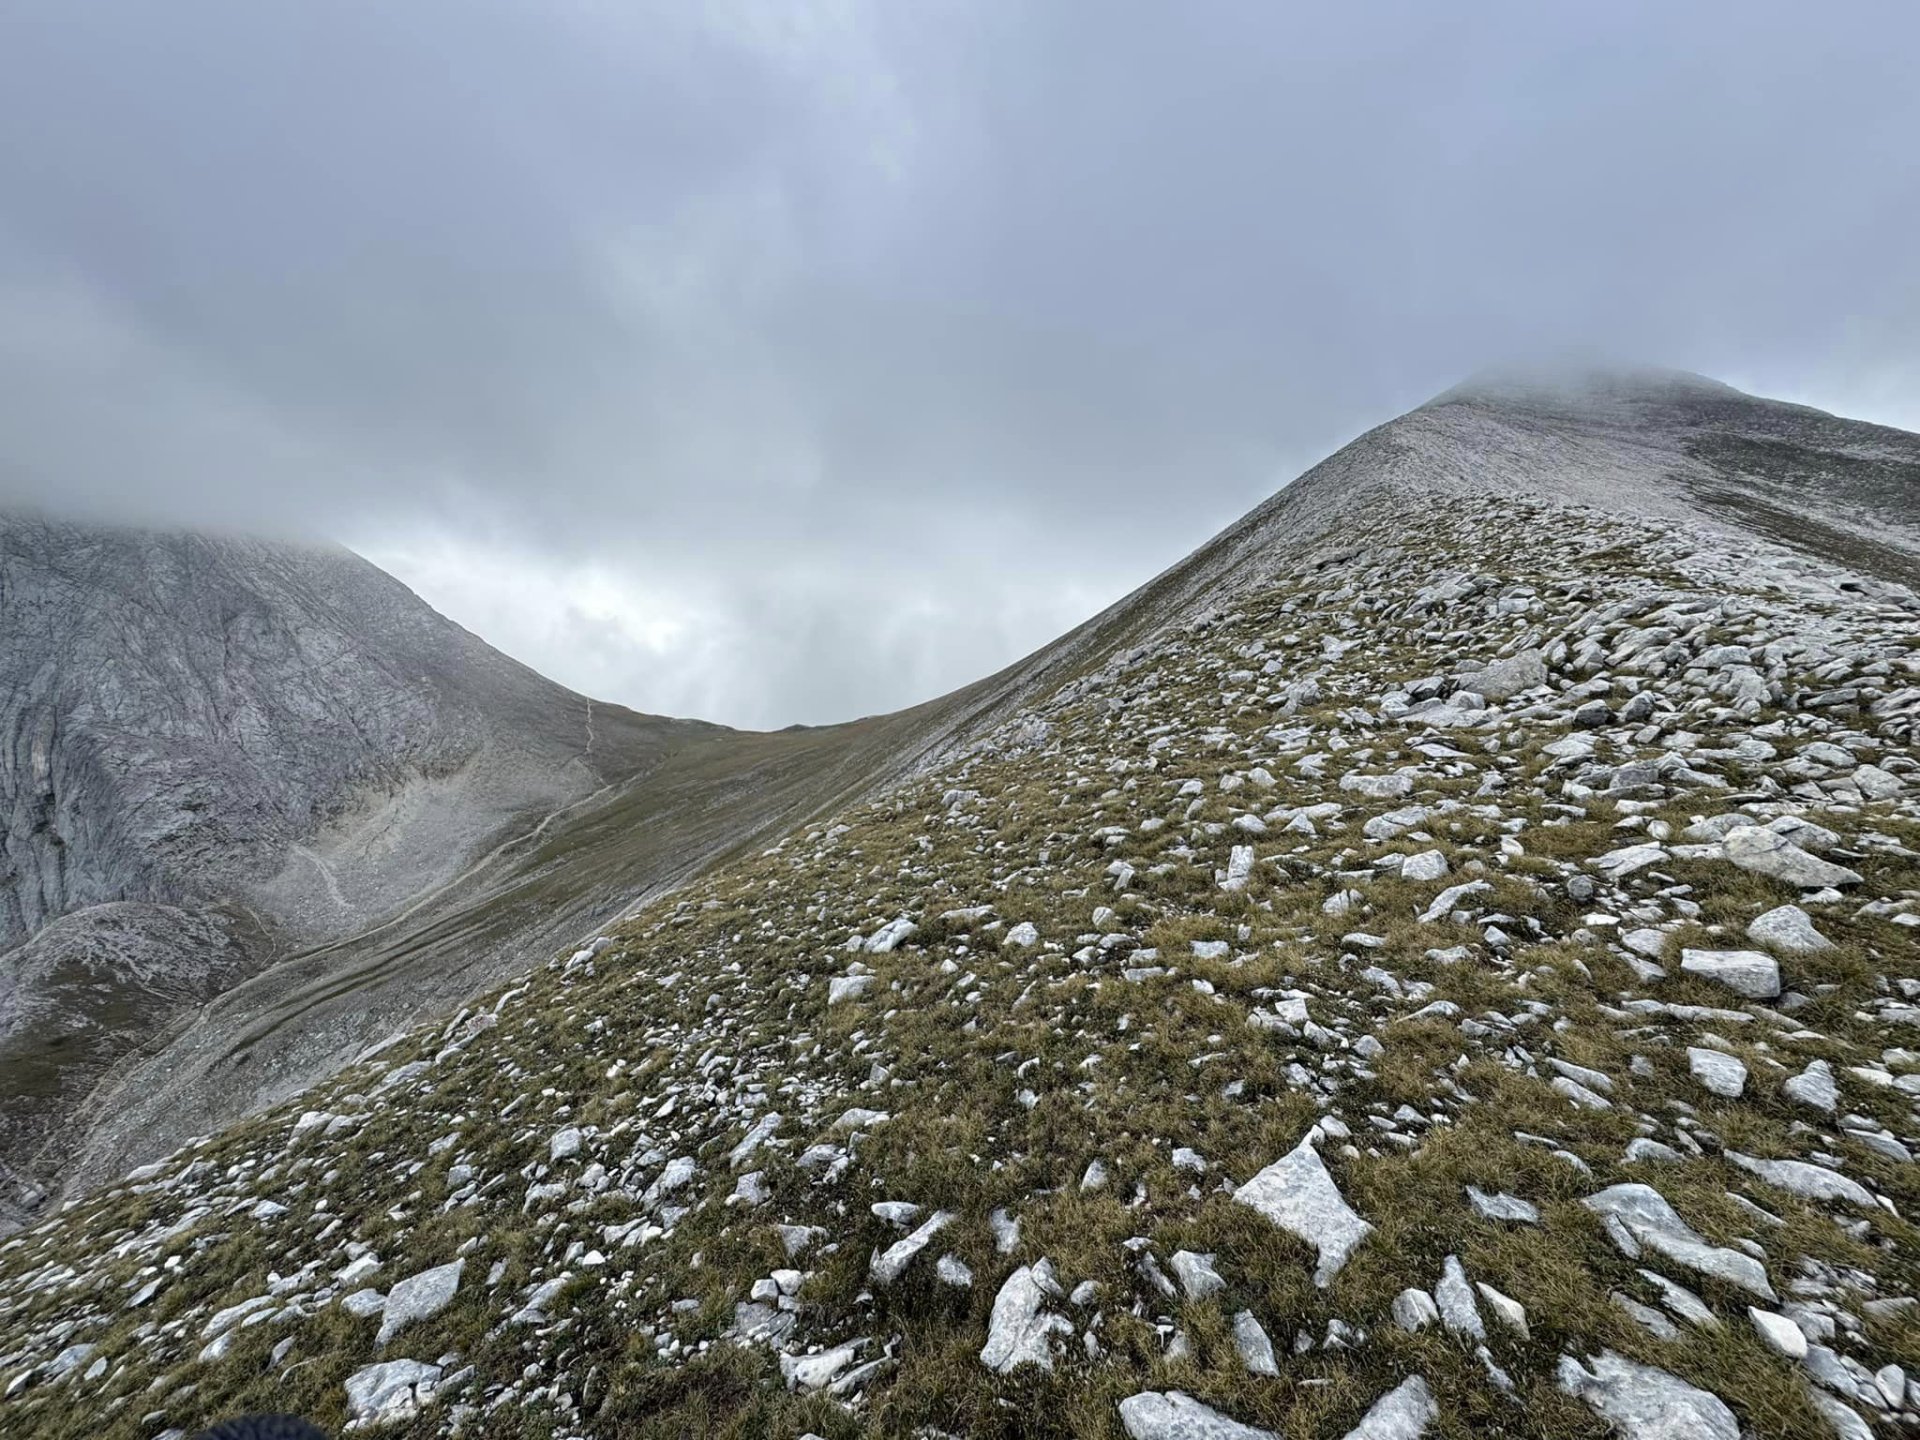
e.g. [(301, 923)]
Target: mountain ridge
[(1435, 956)]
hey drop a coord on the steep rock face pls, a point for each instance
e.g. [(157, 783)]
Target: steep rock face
[(182, 712), (276, 741)]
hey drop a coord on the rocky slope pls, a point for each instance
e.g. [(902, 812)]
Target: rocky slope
[(215, 752), (1440, 960)]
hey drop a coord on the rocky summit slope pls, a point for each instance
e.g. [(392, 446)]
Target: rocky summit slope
[(1441, 960)]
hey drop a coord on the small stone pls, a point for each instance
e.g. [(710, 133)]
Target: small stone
[(419, 1297), (1814, 1086), (389, 1392), (1841, 1418), (1414, 1310), (887, 1266), (1745, 972), (1502, 1207), (1455, 1298), (1175, 1415), (1765, 852), (1779, 1332), (1644, 1218), (1403, 1413), (847, 987), (1875, 783), (1509, 1311), (363, 1304), (1641, 1402), (1721, 1074), (1197, 1275), (1507, 678), (1020, 1329), (1788, 928), (816, 1372), (1297, 1194), (1808, 1181), (1250, 1339)]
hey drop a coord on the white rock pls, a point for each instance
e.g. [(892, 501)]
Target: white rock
[(886, 1267), (1448, 900), (1681, 1301), (1006, 1232), (1645, 1218), (889, 936), (848, 987), (1719, 1073), (1779, 1332), (564, 1145), (762, 1131), (1502, 1207), (1426, 866), (1814, 1086), (1745, 972), (224, 1320), (1842, 1419), (815, 1372), (1297, 1194), (1788, 928), (1413, 1309), (1618, 863), (1020, 1329), (419, 1297), (1641, 1402), (1509, 1311), (1579, 1094), (1403, 1413), (1455, 1298), (1875, 783), (1765, 852), (1250, 1339), (1377, 787), (389, 1392), (1024, 935), (363, 1304), (1810, 1182), (534, 1310), (1506, 678), (1239, 868), (953, 1271), (1197, 1275), (1175, 1415)]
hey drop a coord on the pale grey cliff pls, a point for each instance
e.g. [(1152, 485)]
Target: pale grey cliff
[(188, 717), (215, 752)]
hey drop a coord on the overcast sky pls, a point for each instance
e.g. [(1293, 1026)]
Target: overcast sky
[(791, 361)]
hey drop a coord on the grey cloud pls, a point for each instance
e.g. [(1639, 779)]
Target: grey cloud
[(852, 321)]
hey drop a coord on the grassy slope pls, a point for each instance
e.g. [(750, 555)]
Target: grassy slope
[(1007, 1071)]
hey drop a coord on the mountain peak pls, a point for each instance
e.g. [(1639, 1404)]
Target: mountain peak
[(1413, 910), (1573, 385)]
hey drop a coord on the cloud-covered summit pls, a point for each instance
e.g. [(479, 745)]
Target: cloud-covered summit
[(785, 362)]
